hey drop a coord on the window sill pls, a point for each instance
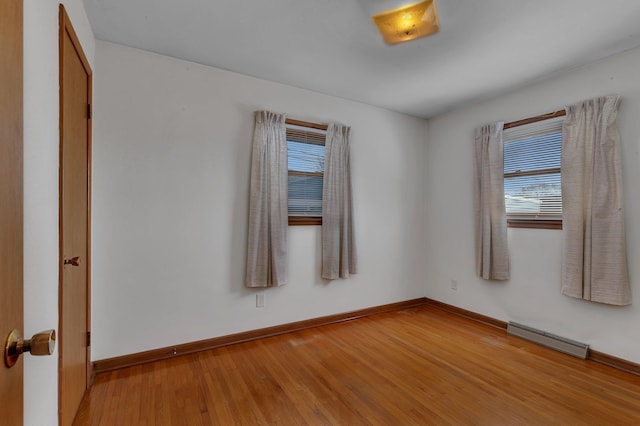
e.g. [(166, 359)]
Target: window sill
[(535, 223), (305, 220)]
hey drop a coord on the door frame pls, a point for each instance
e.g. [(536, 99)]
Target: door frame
[(12, 210), (66, 28)]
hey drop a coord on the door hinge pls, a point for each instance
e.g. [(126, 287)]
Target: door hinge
[(88, 338), (89, 111)]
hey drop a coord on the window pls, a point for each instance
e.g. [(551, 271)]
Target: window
[(305, 152), (532, 190)]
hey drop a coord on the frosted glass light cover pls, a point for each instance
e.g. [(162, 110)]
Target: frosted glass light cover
[(408, 22)]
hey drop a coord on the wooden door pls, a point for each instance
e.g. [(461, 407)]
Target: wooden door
[(11, 310), (75, 196)]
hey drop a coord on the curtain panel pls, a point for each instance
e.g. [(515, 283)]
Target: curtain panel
[(594, 254), (492, 256), (339, 257), (268, 215)]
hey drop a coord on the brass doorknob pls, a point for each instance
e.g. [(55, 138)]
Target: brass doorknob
[(41, 343), (74, 261)]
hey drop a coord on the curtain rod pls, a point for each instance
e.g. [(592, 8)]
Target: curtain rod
[(559, 113)]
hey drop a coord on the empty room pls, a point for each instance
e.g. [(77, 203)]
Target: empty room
[(320, 212)]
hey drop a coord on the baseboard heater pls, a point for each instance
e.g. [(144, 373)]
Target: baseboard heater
[(552, 341)]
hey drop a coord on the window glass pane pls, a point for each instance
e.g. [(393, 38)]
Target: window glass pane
[(533, 195), (305, 157), (305, 195), (536, 153), (306, 168), (533, 149)]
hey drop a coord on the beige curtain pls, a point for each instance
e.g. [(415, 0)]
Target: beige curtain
[(492, 256), (594, 254), (339, 258), (268, 215)]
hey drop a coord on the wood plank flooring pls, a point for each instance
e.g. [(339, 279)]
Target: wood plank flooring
[(418, 366)]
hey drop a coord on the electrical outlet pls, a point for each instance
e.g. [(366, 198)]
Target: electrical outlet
[(260, 300), (454, 284)]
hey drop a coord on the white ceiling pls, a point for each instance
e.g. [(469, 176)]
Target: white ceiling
[(484, 48)]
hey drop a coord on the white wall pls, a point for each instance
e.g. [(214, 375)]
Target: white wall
[(41, 144), (532, 296), (172, 149)]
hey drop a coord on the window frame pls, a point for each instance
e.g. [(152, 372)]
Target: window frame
[(304, 220), (527, 222)]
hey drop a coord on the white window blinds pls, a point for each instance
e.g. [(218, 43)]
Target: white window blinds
[(305, 151), (532, 170)]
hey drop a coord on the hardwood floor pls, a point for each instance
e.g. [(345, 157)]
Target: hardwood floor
[(412, 367)]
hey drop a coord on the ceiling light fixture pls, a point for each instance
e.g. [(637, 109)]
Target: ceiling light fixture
[(408, 21)]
